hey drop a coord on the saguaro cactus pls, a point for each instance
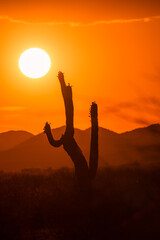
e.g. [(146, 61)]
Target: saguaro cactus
[(84, 173)]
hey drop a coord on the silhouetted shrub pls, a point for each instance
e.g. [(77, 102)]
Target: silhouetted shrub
[(124, 205)]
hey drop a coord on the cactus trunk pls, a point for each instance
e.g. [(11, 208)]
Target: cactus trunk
[(83, 173)]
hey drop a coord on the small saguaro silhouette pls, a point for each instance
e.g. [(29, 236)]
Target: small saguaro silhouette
[(84, 173)]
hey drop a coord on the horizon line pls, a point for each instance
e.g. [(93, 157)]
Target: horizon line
[(20, 130)]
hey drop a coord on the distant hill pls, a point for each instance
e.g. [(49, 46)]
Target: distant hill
[(12, 138), (140, 146)]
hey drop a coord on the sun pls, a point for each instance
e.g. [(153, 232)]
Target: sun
[(34, 63)]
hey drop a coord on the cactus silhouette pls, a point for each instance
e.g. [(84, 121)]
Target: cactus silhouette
[(84, 173)]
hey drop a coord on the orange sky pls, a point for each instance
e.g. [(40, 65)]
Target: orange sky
[(108, 52)]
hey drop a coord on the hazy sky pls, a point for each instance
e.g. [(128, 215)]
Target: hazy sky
[(79, 10), (108, 50)]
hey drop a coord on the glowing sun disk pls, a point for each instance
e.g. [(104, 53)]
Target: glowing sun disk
[(34, 63)]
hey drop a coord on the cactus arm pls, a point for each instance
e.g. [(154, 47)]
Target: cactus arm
[(93, 161), (52, 141), (68, 102)]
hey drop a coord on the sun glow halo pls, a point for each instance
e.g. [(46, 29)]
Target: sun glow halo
[(34, 63)]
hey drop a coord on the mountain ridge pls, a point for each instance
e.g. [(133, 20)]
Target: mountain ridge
[(12, 138), (140, 146)]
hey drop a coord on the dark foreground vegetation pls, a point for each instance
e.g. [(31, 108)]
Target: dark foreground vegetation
[(47, 205)]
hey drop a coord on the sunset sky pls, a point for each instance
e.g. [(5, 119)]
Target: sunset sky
[(109, 52)]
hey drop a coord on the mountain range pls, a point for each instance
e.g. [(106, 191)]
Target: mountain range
[(22, 150)]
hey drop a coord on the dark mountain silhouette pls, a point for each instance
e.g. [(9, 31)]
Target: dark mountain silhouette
[(140, 146), (12, 138)]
